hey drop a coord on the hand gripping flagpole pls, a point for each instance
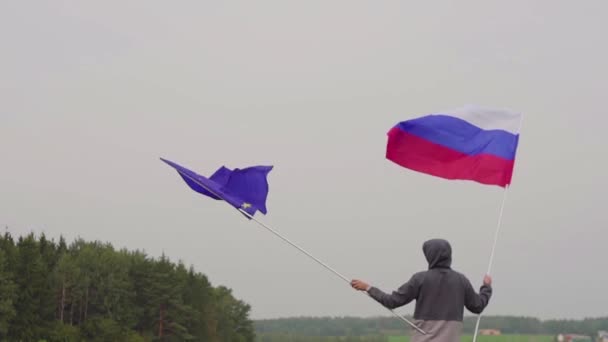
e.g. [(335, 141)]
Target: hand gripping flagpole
[(302, 250), (500, 214)]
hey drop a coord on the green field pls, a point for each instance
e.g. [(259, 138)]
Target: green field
[(501, 338)]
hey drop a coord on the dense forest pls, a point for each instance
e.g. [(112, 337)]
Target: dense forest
[(268, 330), (89, 291)]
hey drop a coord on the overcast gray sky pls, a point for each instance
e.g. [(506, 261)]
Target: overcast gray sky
[(92, 94)]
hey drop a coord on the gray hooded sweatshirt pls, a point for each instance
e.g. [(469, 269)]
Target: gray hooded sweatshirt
[(441, 295)]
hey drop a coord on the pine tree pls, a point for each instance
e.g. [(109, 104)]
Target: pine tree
[(8, 295), (166, 307), (32, 287)]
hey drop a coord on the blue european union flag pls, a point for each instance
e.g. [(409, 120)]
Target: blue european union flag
[(245, 189)]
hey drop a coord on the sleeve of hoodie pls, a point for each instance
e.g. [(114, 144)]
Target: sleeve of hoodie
[(474, 302), (402, 296)]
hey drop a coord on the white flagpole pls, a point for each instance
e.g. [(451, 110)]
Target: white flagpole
[(303, 251), (327, 267), (502, 208)]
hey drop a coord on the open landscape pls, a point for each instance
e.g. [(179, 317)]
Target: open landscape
[(502, 338), (292, 171), (387, 329)]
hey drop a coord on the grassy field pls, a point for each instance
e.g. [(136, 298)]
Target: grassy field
[(501, 338)]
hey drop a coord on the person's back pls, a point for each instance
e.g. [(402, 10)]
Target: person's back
[(441, 295)]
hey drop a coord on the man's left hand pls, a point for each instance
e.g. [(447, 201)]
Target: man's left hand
[(359, 285)]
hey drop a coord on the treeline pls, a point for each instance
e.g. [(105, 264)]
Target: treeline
[(353, 326), (88, 291)]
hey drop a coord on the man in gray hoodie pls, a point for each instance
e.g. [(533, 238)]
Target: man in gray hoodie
[(441, 295)]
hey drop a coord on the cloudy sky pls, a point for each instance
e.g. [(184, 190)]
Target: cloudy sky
[(92, 94)]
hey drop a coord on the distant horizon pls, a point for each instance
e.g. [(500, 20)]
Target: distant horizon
[(408, 316)]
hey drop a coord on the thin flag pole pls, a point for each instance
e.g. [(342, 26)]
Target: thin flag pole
[(301, 250), (502, 208), (327, 267)]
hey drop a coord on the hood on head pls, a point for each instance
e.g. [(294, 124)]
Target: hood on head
[(438, 253)]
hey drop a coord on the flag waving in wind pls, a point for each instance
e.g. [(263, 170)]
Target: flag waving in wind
[(245, 189), (470, 143)]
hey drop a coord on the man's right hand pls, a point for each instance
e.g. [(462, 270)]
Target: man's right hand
[(359, 285), (487, 280)]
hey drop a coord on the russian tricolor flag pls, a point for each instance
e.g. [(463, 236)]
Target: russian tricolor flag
[(470, 143)]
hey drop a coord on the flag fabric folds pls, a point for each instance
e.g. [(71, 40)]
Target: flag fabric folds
[(245, 189), (471, 143)]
